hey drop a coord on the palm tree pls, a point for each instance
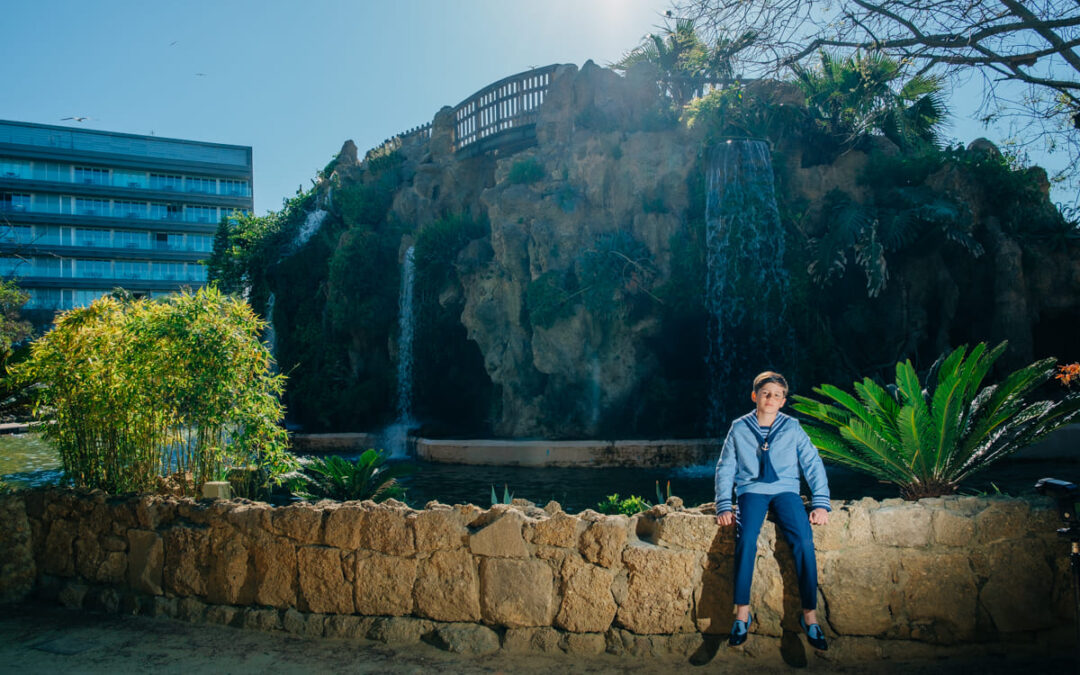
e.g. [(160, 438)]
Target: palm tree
[(688, 65), (853, 97)]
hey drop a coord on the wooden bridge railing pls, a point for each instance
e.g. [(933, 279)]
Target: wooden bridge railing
[(502, 114)]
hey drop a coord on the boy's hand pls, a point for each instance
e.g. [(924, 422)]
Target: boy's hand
[(819, 517), (726, 519)]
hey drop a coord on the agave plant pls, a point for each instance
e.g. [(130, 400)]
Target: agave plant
[(927, 440), (368, 477)]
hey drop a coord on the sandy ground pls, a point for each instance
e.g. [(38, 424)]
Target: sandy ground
[(42, 639)]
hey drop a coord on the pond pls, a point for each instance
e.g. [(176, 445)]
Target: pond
[(27, 461)]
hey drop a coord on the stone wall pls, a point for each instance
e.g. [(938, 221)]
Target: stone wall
[(939, 573)]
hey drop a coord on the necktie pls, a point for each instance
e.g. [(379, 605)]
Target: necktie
[(768, 473)]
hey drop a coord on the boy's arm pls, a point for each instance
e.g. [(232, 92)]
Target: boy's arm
[(814, 471), (725, 474)]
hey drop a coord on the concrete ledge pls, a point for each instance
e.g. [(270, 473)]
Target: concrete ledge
[(690, 452)]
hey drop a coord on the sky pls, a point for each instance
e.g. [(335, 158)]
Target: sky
[(292, 79)]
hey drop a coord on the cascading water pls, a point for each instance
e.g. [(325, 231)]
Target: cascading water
[(269, 335), (311, 225), (746, 283), (395, 435)]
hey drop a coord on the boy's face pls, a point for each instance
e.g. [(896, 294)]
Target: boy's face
[(769, 398)]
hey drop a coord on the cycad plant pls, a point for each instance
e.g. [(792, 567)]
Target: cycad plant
[(928, 439), (367, 477)]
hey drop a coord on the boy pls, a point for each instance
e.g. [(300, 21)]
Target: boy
[(762, 455)]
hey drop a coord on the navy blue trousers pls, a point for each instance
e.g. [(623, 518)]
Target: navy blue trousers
[(792, 520)]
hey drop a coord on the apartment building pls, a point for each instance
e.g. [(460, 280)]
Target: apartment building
[(83, 212)]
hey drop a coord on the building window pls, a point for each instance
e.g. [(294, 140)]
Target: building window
[(206, 185), (47, 234), (46, 267), (91, 175), (51, 171), (44, 298), (201, 243), (96, 238), (131, 270), (123, 209), (165, 181), (14, 168), (93, 269), (200, 214), (129, 179), (168, 271), (122, 239), (13, 201), (16, 234), (11, 267), (83, 298), (236, 188), (91, 207), (196, 272)]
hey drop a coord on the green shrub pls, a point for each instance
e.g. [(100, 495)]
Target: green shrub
[(367, 477), (141, 389), (525, 171), (627, 507), (927, 440)]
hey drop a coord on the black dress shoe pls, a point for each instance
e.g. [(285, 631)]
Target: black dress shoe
[(814, 635), (739, 631)]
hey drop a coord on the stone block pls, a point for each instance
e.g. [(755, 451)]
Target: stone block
[(373, 527), (112, 569), (715, 597), (163, 607), (152, 511), (187, 552), (501, 538), (860, 588), (253, 520), (275, 574), (224, 615), (304, 624), (257, 618), (72, 595), (448, 587), (542, 640), (585, 644), (399, 630), (300, 522), (660, 589), (348, 627), (191, 609), (1018, 593), (383, 584), (560, 530), (465, 638), (516, 593), (603, 540), (906, 525), (322, 582), (953, 528), (59, 553), (228, 579), (833, 536), (1004, 518), (439, 530), (691, 531), (588, 605), (939, 589)]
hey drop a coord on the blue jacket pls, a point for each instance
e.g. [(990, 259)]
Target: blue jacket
[(789, 450)]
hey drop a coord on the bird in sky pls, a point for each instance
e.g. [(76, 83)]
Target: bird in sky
[(200, 74), (76, 118), (173, 42)]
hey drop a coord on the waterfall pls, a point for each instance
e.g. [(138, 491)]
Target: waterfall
[(269, 335), (746, 284), (396, 435), (311, 225)]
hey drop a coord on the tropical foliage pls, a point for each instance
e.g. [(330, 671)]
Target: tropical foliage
[(140, 389), (849, 98), (614, 505), (688, 64), (927, 438), (370, 476)]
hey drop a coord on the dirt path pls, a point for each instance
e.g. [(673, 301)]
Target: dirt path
[(40, 639)]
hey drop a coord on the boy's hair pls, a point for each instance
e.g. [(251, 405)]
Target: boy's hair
[(769, 376)]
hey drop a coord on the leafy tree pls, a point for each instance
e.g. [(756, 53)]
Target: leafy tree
[(849, 98), (140, 389), (1024, 52), (687, 63), (13, 328), (927, 438)]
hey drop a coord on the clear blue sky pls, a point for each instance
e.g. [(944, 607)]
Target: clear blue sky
[(293, 79)]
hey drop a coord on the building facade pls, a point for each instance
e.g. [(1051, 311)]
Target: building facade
[(83, 212)]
